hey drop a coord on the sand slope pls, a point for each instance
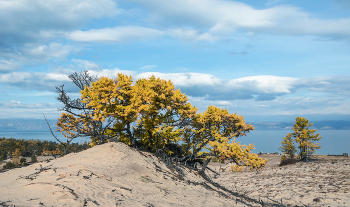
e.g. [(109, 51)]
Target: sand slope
[(324, 181), (112, 174)]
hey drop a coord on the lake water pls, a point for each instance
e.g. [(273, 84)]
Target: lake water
[(332, 142), (40, 135)]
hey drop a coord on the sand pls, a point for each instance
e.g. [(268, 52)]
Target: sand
[(323, 181), (114, 174)]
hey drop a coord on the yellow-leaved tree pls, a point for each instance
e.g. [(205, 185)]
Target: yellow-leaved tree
[(15, 156), (150, 114), (305, 137), (288, 147)]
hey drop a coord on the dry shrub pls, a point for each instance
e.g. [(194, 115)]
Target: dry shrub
[(288, 161), (317, 200)]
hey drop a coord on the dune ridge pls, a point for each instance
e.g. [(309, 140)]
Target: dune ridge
[(111, 174)]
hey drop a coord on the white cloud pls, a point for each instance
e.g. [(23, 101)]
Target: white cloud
[(16, 109), (265, 83), (52, 51), (25, 21), (190, 35), (8, 65), (280, 106), (48, 81), (15, 102), (147, 67), (63, 70), (26, 77), (224, 103), (259, 88), (32, 54), (184, 79), (34, 80), (86, 65), (116, 34), (14, 77), (28, 26), (56, 77), (111, 73), (212, 19), (210, 88)]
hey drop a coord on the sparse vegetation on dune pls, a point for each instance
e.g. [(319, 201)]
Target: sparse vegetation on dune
[(17, 149)]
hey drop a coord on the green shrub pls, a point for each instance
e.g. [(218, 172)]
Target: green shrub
[(3, 157), (33, 158), (9, 165), (23, 161)]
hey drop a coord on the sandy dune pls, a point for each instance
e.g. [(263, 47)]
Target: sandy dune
[(114, 174)]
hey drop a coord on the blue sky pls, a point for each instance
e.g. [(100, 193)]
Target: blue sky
[(266, 60)]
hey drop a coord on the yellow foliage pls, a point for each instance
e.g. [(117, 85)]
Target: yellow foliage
[(15, 156), (53, 152), (154, 114), (115, 98), (67, 123), (236, 168), (287, 146), (157, 118), (305, 137), (237, 153)]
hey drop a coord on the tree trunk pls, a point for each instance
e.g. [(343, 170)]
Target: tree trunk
[(132, 140), (205, 164)]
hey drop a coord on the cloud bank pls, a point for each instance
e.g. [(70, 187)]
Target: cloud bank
[(201, 85), (251, 95)]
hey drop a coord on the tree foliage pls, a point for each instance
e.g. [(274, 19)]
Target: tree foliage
[(150, 114), (216, 131), (15, 155), (288, 147), (304, 137)]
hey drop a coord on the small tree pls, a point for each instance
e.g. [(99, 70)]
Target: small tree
[(304, 137), (23, 161), (33, 158), (15, 156), (9, 165), (288, 147)]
